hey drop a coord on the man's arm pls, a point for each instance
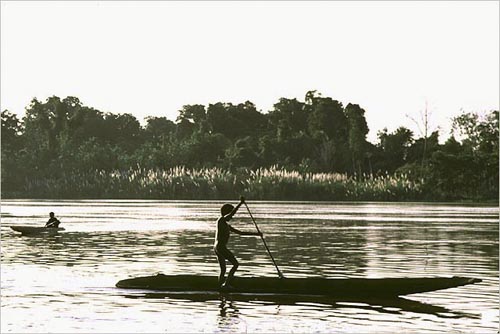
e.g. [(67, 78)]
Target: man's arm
[(232, 213), (52, 223), (243, 233)]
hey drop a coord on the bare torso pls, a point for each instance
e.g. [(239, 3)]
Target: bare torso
[(222, 233)]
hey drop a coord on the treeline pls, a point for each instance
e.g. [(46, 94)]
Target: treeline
[(62, 144)]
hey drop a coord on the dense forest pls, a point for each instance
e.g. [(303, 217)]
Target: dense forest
[(311, 150)]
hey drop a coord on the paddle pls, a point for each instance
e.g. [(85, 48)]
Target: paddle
[(264, 241)]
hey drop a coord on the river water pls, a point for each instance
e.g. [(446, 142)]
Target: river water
[(66, 282)]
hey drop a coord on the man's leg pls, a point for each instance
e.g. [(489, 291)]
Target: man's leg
[(222, 265), (235, 264)]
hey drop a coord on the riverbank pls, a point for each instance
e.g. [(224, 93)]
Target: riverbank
[(215, 183)]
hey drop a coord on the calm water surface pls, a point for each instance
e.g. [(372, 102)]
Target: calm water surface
[(65, 283)]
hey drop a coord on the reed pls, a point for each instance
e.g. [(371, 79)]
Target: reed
[(272, 183)]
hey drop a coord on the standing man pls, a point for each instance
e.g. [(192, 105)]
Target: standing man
[(221, 239)]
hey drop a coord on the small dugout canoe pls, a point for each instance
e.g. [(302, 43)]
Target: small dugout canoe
[(26, 229), (353, 287)]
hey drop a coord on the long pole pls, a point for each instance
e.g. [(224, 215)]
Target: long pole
[(264, 241)]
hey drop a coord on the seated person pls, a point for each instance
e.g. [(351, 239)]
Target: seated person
[(53, 221)]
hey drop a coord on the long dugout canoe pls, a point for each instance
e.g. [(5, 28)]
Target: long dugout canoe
[(353, 287)]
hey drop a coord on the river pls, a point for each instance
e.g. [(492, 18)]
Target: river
[(66, 282)]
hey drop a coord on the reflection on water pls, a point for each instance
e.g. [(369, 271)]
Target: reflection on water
[(228, 305), (72, 274)]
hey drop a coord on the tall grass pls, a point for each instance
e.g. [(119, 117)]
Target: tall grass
[(214, 183)]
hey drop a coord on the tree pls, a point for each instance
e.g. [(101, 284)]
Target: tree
[(287, 118), (12, 151), (394, 148), (184, 130), (158, 129), (85, 123), (43, 123), (424, 128), (358, 129), (248, 120), (194, 114), (480, 147), (220, 120), (429, 144), (123, 130), (480, 135), (93, 155), (44, 127), (11, 132), (327, 120), (243, 153), (327, 125), (235, 121), (204, 149)]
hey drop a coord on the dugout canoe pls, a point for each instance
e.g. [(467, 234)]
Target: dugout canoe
[(26, 229), (353, 287)]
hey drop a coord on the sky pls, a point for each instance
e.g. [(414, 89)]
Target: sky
[(151, 58)]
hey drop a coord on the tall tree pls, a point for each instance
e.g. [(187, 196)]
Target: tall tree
[(327, 124), (44, 126), (358, 129)]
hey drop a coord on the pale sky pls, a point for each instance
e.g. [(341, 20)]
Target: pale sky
[(151, 58)]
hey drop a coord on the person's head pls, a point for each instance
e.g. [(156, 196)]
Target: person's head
[(51, 215), (226, 209)]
